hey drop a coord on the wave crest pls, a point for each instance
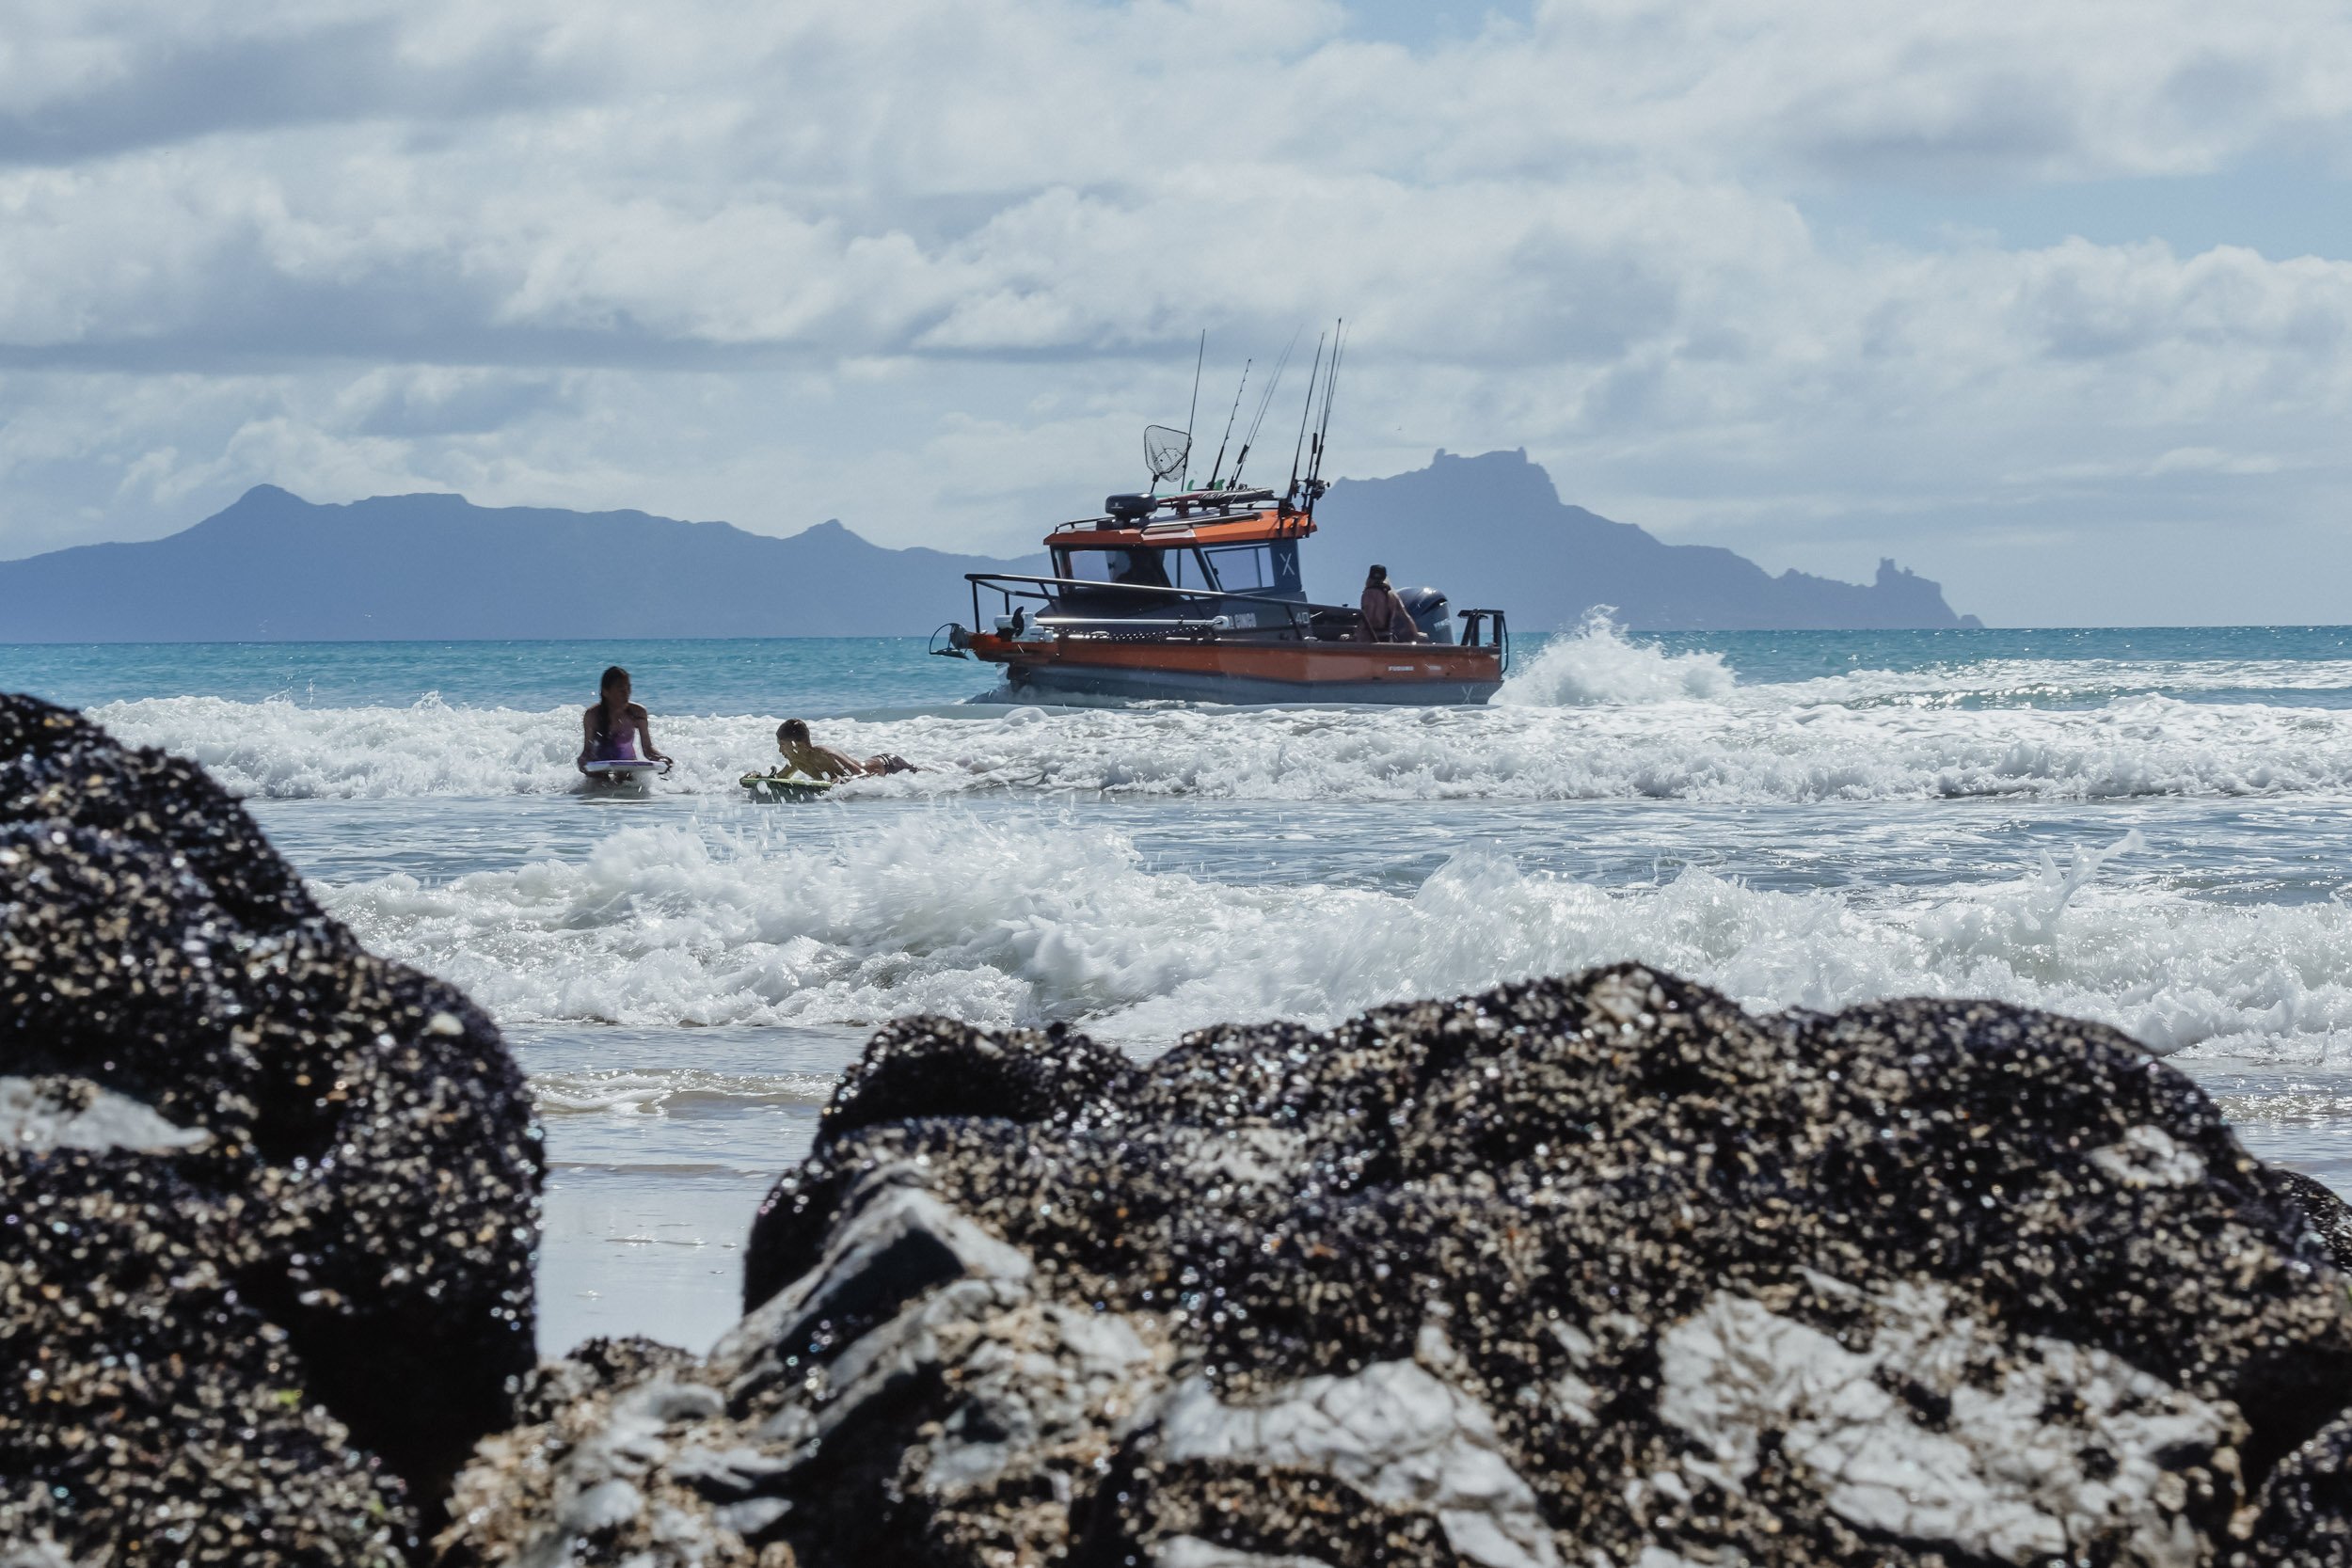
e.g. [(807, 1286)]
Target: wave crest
[(1598, 663), (1593, 715), (1009, 922)]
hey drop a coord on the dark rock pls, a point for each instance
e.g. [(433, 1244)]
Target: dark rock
[(622, 1447), (593, 1364), (2328, 1216), (2306, 1518), (267, 1211), (1583, 1272), (914, 1069), (149, 1405)]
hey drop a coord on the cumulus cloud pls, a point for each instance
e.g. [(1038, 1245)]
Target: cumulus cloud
[(928, 265)]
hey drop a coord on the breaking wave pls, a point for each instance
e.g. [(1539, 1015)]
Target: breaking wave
[(1599, 664), (1596, 715), (1749, 746), (1026, 921)]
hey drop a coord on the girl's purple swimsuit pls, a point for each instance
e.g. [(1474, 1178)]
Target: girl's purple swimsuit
[(611, 746)]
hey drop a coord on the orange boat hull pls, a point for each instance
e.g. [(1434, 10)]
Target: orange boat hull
[(1242, 671)]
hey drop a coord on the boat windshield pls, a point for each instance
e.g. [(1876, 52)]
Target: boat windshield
[(1142, 567)]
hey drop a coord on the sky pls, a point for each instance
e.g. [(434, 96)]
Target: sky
[(2051, 303)]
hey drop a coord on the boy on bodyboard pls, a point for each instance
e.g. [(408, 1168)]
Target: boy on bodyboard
[(809, 769), (803, 756)]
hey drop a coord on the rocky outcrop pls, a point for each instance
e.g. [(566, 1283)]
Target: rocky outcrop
[(1582, 1271), (2306, 1515), (2321, 1209), (1577, 1272), (267, 1203)]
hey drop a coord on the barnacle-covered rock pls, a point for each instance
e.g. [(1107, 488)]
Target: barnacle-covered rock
[(2306, 1516), (2328, 1216), (1597, 1270), (267, 1203)]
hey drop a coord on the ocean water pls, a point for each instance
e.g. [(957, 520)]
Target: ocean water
[(2150, 828)]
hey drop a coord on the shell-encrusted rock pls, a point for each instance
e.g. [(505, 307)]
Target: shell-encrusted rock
[(2306, 1518), (267, 1203), (1590, 1272)]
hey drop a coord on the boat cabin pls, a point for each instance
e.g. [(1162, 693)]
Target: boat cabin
[(1268, 568), (1207, 544)]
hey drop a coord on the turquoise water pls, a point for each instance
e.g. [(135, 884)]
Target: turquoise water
[(2150, 828), (726, 675), (838, 675)]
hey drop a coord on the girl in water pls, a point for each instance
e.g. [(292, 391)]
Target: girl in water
[(616, 729)]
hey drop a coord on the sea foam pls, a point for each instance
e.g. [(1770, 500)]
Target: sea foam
[(1753, 748), (1599, 664), (1008, 921), (656, 1091), (1597, 715)]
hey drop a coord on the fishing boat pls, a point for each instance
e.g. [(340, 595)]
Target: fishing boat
[(1196, 596)]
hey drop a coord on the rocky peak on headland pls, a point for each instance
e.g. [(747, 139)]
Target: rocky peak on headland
[(1597, 1270)]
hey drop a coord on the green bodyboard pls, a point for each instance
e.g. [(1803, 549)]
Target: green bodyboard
[(785, 786)]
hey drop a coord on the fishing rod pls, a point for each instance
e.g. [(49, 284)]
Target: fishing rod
[(1199, 360), (1323, 434), (1219, 466), (1272, 386), (1306, 412)]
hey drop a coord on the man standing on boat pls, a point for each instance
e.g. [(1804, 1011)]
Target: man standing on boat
[(1386, 619)]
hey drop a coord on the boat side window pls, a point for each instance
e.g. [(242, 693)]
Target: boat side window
[(1245, 569), (1185, 570)]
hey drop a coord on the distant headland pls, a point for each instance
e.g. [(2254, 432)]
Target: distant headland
[(274, 567), (1493, 531)]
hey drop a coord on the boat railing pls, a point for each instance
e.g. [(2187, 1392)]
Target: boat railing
[(1480, 628), (1193, 506), (1476, 624)]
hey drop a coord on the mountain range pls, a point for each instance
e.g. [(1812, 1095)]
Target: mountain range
[(274, 567)]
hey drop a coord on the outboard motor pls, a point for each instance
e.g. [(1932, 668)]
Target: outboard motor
[(1430, 612)]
